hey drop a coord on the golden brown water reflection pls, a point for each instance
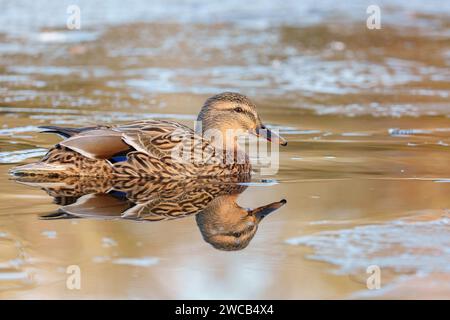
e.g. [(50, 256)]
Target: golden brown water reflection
[(366, 173)]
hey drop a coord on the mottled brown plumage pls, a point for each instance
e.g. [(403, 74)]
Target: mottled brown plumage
[(156, 149)]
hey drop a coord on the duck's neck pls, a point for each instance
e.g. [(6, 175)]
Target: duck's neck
[(225, 207), (220, 137)]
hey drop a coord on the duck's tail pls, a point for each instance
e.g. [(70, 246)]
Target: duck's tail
[(61, 162), (39, 169)]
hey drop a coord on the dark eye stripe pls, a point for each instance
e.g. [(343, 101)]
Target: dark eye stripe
[(248, 113), (238, 234)]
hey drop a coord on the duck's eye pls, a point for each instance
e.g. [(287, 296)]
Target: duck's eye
[(238, 109)]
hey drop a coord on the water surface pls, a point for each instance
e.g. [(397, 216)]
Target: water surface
[(366, 173)]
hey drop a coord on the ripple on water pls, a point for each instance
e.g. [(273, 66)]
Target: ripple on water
[(381, 110), (21, 155), (14, 264), (407, 132), (109, 117), (263, 183), (296, 73), (128, 261), (12, 131), (108, 242), (50, 234), (64, 36), (136, 262), (417, 245)]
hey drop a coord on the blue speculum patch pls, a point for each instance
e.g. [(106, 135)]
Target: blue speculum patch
[(118, 159)]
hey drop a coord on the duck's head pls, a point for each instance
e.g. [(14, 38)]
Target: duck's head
[(234, 113)]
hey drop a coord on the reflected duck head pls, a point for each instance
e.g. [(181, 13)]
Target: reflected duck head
[(227, 226)]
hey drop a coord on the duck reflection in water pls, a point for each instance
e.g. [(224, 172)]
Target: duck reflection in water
[(222, 222)]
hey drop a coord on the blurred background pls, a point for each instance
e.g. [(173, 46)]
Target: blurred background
[(366, 173)]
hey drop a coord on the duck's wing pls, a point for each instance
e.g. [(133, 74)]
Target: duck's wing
[(156, 138), (166, 149), (67, 132), (160, 138), (100, 142), (97, 143)]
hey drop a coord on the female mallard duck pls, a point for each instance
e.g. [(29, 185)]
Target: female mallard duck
[(148, 148)]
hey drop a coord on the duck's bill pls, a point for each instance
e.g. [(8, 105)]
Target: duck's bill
[(263, 211), (270, 135)]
